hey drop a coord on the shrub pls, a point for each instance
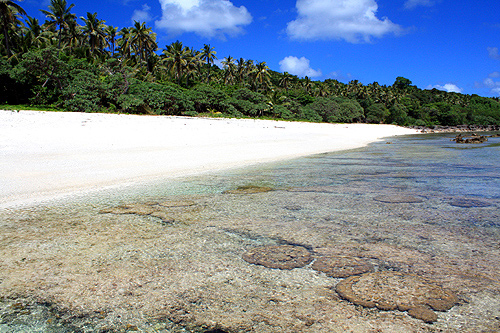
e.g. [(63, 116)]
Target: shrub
[(376, 113)]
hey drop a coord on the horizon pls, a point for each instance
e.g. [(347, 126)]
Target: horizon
[(435, 44)]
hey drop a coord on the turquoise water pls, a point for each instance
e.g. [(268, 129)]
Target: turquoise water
[(418, 204)]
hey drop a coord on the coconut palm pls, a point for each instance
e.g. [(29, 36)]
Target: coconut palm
[(176, 57), (208, 55), (285, 81), (193, 63), (229, 69), (241, 70), (111, 34), (261, 76), (9, 11), (59, 14), (142, 40), (34, 35), (124, 45), (94, 31)]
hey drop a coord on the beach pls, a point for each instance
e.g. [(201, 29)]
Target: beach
[(46, 155), (121, 223)]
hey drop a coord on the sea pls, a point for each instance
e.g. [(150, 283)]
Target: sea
[(172, 255)]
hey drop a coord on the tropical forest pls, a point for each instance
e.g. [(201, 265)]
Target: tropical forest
[(81, 64)]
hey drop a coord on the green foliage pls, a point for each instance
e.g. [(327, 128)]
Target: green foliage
[(398, 114), (335, 110), (280, 111), (96, 67), (402, 83), (249, 103), (82, 92), (376, 113), (154, 98), (210, 99)]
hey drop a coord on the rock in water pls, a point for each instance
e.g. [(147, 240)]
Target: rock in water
[(249, 189), (279, 256), (172, 204), (138, 209), (469, 203), (341, 267), (394, 290), (398, 199)]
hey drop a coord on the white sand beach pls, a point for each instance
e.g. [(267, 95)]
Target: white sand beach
[(44, 155)]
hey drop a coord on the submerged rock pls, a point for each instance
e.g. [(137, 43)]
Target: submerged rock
[(149, 209), (398, 199), (342, 267), (394, 290), (138, 209), (279, 256), (314, 189), (249, 189), (468, 203), (172, 204)]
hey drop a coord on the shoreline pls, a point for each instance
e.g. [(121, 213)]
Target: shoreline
[(456, 129), (48, 155)]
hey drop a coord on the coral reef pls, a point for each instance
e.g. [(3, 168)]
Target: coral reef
[(279, 256), (394, 290), (341, 267)]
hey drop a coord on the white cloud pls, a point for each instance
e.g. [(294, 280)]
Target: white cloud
[(494, 74), (449, 87), (351, 20), (208, 18), (493, 53), (493, 85), (300, 67), (142, 15), (411, 4)]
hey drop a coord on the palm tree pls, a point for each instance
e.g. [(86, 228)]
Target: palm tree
[(94, 30), (142, 40), (9, 10), (209, 55), (176, 58), (111, 33), (285, 81), (74, 37), (262, 76), (59, 15), (193, 63), (124, 45), (241, 70), (307, 84), (33, 35), (229, 69)]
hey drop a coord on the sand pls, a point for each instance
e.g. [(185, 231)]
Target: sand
[(46, 155)]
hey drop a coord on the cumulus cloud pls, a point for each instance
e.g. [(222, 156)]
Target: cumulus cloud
[(493, 85), (493, 53), (207, 18), (352, 20), (142, 15), (411, 4), (449, 87), (298, 66)]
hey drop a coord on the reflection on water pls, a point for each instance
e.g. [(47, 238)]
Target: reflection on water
[(131, 260)]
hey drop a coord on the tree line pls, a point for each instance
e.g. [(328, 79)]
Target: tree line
[(82, 64)]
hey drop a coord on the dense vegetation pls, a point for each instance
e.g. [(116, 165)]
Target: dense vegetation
[(82, 64)]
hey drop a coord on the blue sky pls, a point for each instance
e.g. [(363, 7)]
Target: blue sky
[(450, 45)]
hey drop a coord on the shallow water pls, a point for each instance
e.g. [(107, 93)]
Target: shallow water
[(418, 204)]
